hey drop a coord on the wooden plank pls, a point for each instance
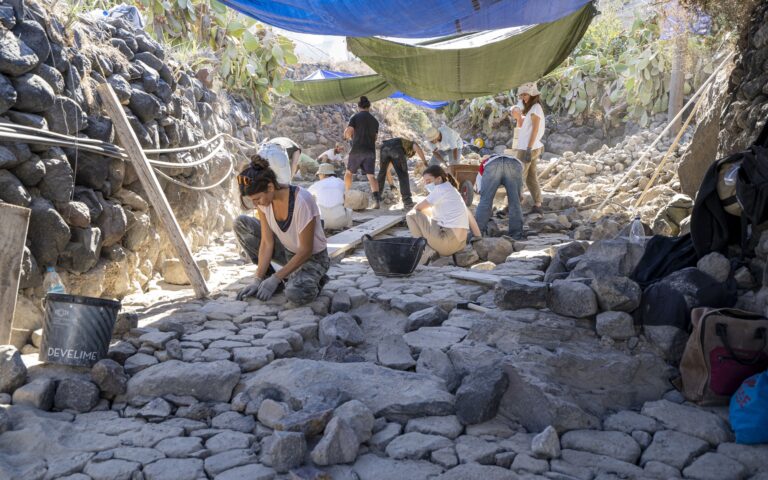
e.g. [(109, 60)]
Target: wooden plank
[(482, 278), (149, 181), (15, 221), (349, 239)]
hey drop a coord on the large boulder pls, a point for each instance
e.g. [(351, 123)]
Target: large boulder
[(356, 200), (7, 94), (58, 183), (48, 232), (13, 372), (206, 381), (66, 116), (12, 191), (608, 258), (34, 94), (394, 394), (112, 222), (478, 397), (16, 58), (340, 326), (33, 35), (83, 251), (514, 293), (616, 293), (572, 299)]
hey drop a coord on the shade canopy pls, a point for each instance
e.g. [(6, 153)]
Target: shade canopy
[(402, 18), (315, 88)]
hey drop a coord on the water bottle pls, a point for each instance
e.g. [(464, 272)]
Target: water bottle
[(52, 282), (731, 175), (637, 231)]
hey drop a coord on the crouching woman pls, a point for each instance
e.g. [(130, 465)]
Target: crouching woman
[(449, 222), (287, 230)]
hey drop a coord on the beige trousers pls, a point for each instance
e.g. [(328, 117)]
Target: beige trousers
[(444, 241), (336, 218), (529, 174)]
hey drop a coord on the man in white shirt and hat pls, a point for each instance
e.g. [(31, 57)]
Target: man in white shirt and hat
[(329, 195), (445, 144)]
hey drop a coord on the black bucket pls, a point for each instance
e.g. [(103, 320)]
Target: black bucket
[(393, 257), (77, 330)]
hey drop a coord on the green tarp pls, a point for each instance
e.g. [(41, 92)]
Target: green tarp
[(459, 67), (341, 90)]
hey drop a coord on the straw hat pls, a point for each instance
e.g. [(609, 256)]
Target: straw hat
[(326, 169), (529, 88), (432, 134)]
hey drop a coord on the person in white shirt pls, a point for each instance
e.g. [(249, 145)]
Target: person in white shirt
[(329, 195), (449, 223), (530, 118), (292, 149), (445, 144), (332, 155), (277, 157), (287, 230)]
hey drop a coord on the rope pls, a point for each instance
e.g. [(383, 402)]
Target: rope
[(184, 149), (158, 163), (191, 187)]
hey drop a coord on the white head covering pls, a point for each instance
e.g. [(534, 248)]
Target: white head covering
[(432, 134), (529, 88)]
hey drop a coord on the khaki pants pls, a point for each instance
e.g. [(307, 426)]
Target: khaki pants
[(336, 218), (529, 174), (442, 240)]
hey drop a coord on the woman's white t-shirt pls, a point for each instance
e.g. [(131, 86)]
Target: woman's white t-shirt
[(304, 210), (329, 192), (448, 208), (526, 129)]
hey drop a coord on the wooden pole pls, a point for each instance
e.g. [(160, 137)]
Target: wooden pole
[(149, 181), (677, 80), (14, 221)]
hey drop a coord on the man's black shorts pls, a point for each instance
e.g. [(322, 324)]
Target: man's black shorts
[(365, 161)]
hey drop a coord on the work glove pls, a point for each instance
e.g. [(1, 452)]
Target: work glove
[(527, 156), (250, 290), (268, 288)]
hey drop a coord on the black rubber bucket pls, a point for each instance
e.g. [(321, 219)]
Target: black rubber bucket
[(393, 257), (77, 330)]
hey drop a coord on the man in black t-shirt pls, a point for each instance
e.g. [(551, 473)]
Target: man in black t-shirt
[(362, 130), (397, 151)]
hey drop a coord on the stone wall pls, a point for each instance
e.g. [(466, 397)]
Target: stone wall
[(90, 218)]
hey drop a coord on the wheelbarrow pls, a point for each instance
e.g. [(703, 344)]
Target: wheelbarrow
[(465, 175)]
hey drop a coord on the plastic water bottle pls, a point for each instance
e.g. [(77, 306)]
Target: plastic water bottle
[(637, 231), (52, 282), (731, 176)]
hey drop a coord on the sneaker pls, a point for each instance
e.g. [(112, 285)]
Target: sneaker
[(536, 210), (408, 206), (428, 255), (376, 200)]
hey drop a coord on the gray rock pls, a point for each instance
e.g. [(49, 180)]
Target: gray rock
[(616, 325), (494, 249), (479, 396), (441, 338), (475, 471), (557, 267), (211, 381), (529, 464), (393, 352), (248, 472), (661, 470), (310, 421), (83, 251), (234, 421), (65, 116), (445, 457), (228, 440), (5, 419), (180, 447), (608, 258), (472, 449), (30, 173), (224, 461), (546, 444), (642, 438), (751, 456), (716, 265), (271, 412), (715, 466), (515, 293), (7, 95), (12, 191), (616, 293), (76, 394), (173, 469), (340, 326), (10, 158), (48, 233), (284, 450), (380, 389), (138, 362), (341, 302), (56, 80), (252, 358), (381, 439), (601, 463), (372, 467), (409, 303), (435, 362), (58, 183), (112, 470), (689, 420), (144, 105), (572, 299), (616, 445), (34, 94), (415, 446), (141, 455), (428, 317), (33, 35), (112, 222), (673, 448), (156, 409), (448, 426), (338, 445), (357, 416), (39, 393), (13, 372), (16, 58)]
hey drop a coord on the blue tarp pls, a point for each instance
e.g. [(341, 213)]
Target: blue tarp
[(402, 18), (326, 74)]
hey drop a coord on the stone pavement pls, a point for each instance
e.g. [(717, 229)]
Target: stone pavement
[(379, 378)]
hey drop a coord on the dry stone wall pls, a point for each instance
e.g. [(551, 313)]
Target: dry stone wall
[(90, 216)]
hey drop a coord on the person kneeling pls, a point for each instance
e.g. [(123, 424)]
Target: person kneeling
[(448, 227), (287, 231), (329, 194)]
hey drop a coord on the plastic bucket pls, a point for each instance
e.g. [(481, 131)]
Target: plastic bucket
[(393, 257), (77, 330)]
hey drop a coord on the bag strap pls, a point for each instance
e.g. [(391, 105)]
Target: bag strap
[(721, 330), (762, 139)]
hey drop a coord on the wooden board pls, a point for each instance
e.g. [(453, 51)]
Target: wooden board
[(151, 186), (482, 278), (349, 239), (14, 221)]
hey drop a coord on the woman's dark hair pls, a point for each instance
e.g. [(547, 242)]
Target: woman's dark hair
[(437, 171), (364, 102), (532, 100), (256, 177)]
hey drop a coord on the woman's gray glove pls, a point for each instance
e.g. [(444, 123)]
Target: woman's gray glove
[(527, 156), (250, 290), (268, 287)]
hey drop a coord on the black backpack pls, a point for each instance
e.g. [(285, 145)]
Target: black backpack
[(713, 228)]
